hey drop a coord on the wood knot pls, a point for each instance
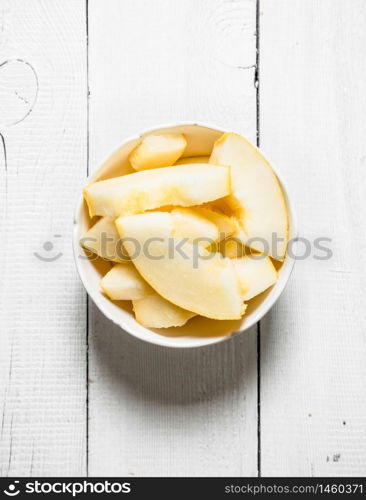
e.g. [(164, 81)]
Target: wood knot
[(18, 91)]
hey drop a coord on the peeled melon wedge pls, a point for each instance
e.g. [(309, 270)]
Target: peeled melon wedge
[(255, 273), (156, 151), (187, 275), (224, 224), (103, 239), (123, 282), (256, 199), (183, 185), (153, 311), (199, 224), (190, 223)]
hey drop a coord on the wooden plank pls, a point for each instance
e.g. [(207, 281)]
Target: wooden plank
[(313, 106), (157, 411), (42, 304)]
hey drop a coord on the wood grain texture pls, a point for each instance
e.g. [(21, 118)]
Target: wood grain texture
[(157, 411), (313, 108), (42, 304)]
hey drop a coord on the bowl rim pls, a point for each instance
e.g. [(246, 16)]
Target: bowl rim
[(167, 341)]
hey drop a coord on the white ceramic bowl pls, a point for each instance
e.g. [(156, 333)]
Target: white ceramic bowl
[(198, 331)]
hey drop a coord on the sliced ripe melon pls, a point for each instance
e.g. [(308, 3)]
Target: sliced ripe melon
[(189, 223), (156, 151), (153, 311), (185, 274), (197, 223), (256, 274), (233, 248), (256, 197), (221, 205), (183, 185), (104, 240), (124, 282), (192, 159)]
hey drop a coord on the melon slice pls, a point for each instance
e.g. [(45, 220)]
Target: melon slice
[(156, 151), (255, 273), (103, 239), (226, 225), (124, 282), (183, 185), (198, 224), (190, 223), (256, 199), (233, 248), (185, 274), (192, 159)]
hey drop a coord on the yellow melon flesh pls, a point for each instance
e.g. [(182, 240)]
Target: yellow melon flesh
[(154, 311), (224, 224), (189, 223), (103, 239), (255, 273), (123, 282), (187, 275), (232, 248), (256, 197), (192, 159), (183, 185), (156, 151), (200, 225), (220, 205)]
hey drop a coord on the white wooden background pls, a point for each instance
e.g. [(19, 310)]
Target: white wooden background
[(80, 397)]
